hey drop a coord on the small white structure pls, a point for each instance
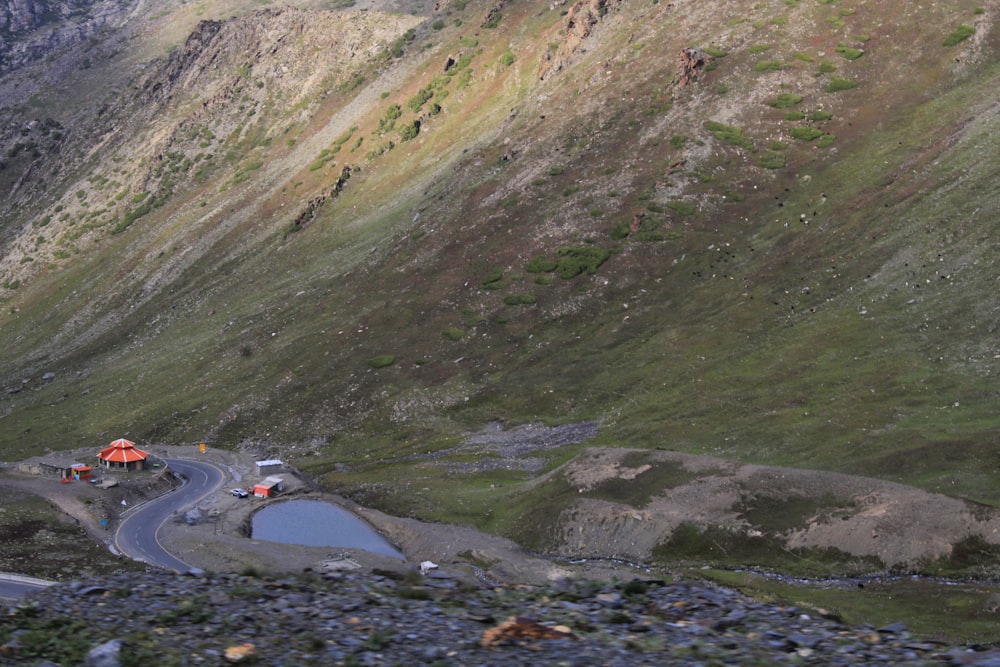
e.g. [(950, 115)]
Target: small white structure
[(269, 466), (426, 566)]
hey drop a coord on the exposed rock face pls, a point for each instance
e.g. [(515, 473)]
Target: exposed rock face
[(581, 21), (31, 29)]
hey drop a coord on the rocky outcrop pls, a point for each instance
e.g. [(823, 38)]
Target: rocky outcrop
[(692, 62), (581, 20), (32, 29)]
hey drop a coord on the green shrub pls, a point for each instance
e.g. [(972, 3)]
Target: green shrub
[(772, 160), (381, 361), (541, 264), (519, 299), (778, 145), (453, 333), (826, 141), (962, 33), (678, 141), (388, 121), (494, 276), (681, 207), (768, 66), (714, 51), (507, 58), (410, 131), (837, 84), (417, 101), (806, 133), (784, 100), (438, 25), (849, 53), (759, 48), (572, 261), (621, 231), (820, 115), (728, 134)]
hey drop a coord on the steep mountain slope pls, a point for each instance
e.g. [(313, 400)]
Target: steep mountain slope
[(761, 231)]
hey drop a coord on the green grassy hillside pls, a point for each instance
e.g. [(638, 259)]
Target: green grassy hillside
[(783, 255)]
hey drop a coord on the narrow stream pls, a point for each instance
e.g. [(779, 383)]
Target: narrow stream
[(317, 523)]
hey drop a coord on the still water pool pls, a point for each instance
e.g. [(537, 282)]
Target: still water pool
[(316, 523)]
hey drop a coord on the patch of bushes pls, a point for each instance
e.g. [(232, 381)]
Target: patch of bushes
[(519, 299), (576, 260), (768, 66), (410, 131), (772, 160), (570, 261), (849, 52), (418, 100), (388, 120), (493, 21), (714, 51), (837, 84), (806, 133), (541, 264), (492, 278), (728, 134), (794, 115), (453, 333), (130, 217), (820, 115), (680, 207), (826, 141), (734, 548), (784, 100), (961, 33), (381, 361)]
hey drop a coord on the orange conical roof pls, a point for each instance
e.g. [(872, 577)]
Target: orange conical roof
[(122, 451)]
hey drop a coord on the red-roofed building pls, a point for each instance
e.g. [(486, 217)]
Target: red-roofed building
[(81, 472), (122, 454)]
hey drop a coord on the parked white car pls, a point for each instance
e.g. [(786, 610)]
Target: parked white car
[(239, 493)]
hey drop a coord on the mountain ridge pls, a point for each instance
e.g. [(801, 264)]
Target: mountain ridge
[(518, 212)]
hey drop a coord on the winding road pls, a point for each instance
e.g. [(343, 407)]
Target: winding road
[(138, 533)]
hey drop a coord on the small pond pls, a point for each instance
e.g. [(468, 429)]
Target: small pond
[(317, 523)]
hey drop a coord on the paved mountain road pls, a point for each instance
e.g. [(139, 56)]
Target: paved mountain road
[(15, 587), (138, 534)]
